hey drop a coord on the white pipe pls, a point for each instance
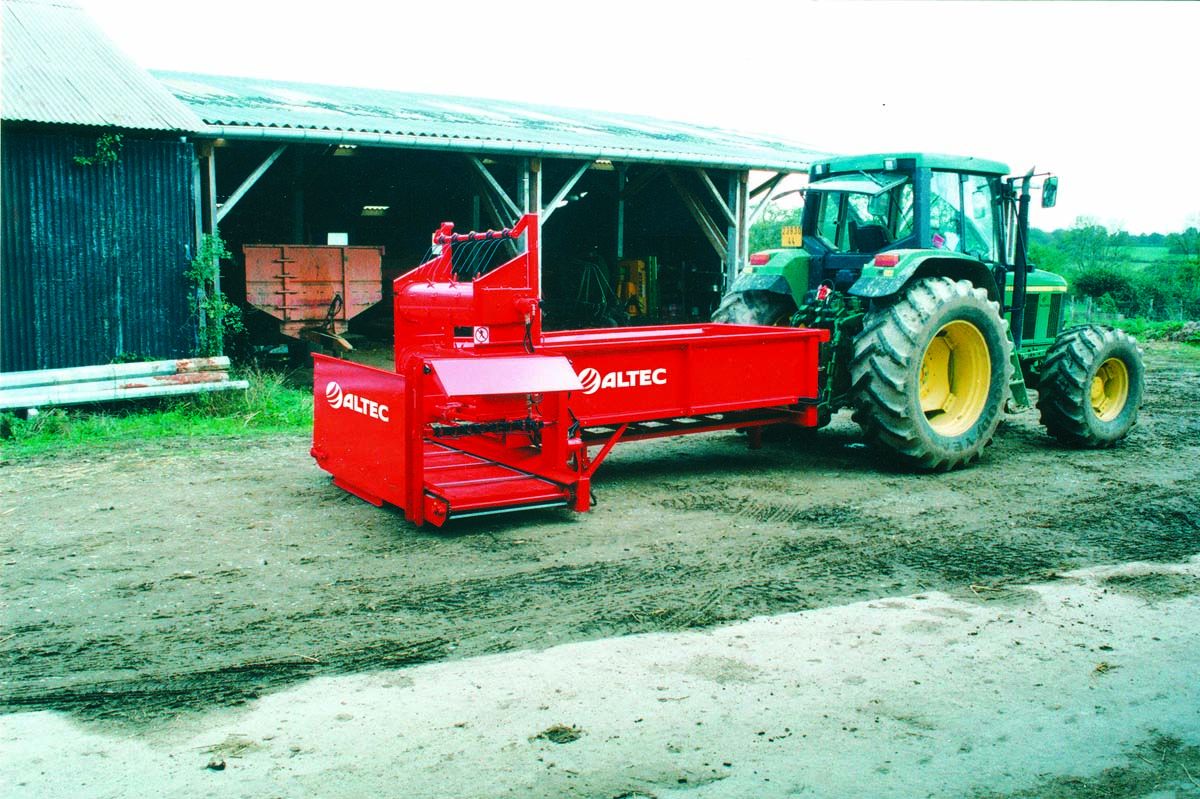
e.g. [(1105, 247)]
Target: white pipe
[(112, 371), (77, 394)]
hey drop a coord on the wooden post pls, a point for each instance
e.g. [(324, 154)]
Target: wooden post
[(622, 173)]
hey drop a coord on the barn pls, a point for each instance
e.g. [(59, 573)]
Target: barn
[(98, 200), (113, 177)]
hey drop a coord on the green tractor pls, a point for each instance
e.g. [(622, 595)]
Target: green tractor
[(917, 265)]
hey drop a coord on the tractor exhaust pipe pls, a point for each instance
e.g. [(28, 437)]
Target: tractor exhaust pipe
[(1020, 262)]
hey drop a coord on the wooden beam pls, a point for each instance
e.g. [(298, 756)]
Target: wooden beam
[(716, 195), (742, 227), (640, 182), (494, 211), (701, 215), (768, 184), (548, 209), (490, 181), (621, 173), (248, 183), (763, 203)]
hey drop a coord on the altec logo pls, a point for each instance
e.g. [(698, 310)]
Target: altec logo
[(592, 381), (352, 402)]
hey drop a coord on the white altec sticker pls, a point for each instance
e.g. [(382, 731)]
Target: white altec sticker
[(352, 402), (592, 381)]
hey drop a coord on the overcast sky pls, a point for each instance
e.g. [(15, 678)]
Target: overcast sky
[(1102, 94)]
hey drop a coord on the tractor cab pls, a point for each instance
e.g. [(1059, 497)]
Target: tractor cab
[(860, 206), (941, 214)]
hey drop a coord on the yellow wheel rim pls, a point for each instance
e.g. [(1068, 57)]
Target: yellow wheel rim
[(956, 373), (1110, 389)]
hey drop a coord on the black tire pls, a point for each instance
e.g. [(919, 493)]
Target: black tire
[(755, 308), (952, 331), (1090, 386)]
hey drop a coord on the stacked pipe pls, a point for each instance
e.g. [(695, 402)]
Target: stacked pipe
[(44, 388)]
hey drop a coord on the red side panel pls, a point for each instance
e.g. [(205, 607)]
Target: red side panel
[(635, 374), (359, 428)]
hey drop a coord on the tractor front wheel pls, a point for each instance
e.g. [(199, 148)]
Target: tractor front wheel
[(755, 308), (1090, 386), (931, 372)]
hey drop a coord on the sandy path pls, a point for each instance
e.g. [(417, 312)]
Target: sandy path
[(901, 697)]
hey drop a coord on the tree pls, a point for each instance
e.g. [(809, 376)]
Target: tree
[(766, 233), (1089, 245), (1185, 243)]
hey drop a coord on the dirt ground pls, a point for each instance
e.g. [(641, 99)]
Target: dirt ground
[(1078, 689), (147, 582)]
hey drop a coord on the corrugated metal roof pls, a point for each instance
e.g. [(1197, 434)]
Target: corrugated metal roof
[(243, 107), (60, 68)]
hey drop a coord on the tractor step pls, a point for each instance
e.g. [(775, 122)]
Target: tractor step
[(1017, 388)]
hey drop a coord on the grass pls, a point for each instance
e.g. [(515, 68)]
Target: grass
[(268, 406), (1142, 256), (1150, 330)]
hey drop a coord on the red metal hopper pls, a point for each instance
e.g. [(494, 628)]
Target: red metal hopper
[(506, 418)]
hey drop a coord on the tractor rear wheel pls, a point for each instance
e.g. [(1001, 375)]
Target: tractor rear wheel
[(755, 308), (1090, 386), (931, 373)]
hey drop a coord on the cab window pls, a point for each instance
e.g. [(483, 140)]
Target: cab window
[(829, 217), (980, 210), (962, 215), (860, 222), (945, 211)]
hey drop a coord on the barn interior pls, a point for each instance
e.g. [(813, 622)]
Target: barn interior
[(622, 243)]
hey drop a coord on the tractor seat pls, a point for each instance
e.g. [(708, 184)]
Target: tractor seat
[(868, 238)]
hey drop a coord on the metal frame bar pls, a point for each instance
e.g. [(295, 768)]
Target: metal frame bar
[(247, 184), (548, 209)]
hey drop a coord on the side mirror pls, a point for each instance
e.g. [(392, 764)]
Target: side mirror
[(1049, 192)]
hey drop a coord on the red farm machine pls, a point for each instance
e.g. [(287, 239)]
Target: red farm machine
[(486, 413)]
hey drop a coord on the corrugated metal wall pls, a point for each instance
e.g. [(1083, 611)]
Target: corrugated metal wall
[(92, 257)]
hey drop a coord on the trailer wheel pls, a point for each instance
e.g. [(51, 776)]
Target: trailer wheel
[(1090, 386), (755, 308), (931, 373)]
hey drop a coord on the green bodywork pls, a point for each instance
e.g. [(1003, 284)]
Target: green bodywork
[(856, 282), (786, 272)]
